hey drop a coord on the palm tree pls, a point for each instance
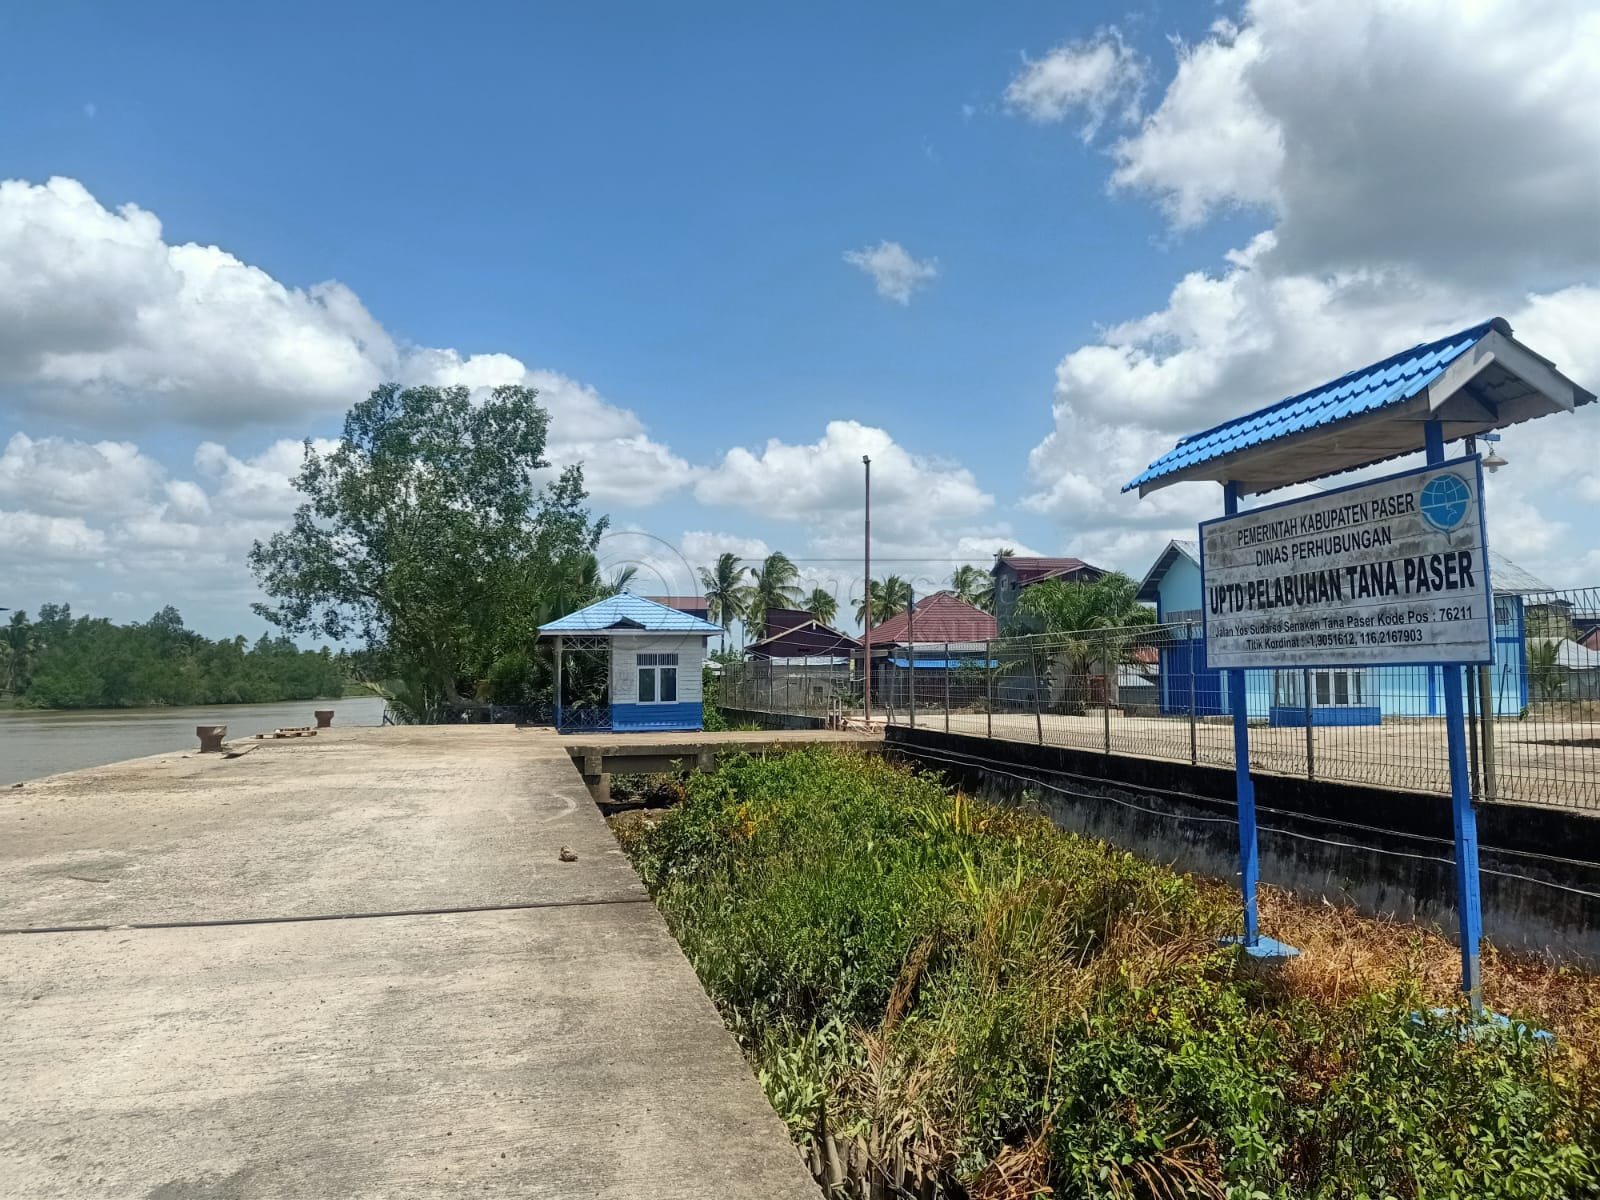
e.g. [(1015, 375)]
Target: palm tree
[(889, 596), (822, 605), (968, 583), (985, 596), (776, 586), (621, 578), (727, 595), (1085, 622)]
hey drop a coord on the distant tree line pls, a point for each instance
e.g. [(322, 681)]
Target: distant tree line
[(61, 661)]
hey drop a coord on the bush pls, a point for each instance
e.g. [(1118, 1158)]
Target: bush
[(1017, 1004)]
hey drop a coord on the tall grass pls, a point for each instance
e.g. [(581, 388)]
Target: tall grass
[(1037, 1013)]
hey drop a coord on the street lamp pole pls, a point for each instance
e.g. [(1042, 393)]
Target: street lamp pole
[(866, 621)]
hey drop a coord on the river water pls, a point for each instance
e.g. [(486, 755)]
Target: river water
[(35, 742)]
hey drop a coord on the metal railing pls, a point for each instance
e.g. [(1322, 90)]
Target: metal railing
[(1534, 716)]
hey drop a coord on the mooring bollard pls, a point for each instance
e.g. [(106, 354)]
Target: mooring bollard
[(211, 737), (324, 718)]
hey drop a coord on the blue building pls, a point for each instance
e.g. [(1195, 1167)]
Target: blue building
[(1343, 696), (653, 660)]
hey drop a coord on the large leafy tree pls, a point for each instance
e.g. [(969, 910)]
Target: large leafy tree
[(776, 585), (425, 534), (727, 594), (887, 596), (21, 643), (1086, 625), (822, 605)]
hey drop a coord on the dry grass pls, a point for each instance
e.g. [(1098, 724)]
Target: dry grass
[(1344, 952)]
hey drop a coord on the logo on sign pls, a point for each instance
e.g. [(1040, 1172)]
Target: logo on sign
[(1444, 502)]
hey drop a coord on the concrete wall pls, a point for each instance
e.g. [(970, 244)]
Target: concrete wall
[(1379, 850), (771, 720)]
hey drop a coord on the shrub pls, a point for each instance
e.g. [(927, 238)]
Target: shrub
[(1032, 1009)]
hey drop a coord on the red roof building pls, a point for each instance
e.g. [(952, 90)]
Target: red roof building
[(941, 617)]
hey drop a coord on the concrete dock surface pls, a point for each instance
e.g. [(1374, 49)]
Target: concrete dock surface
[(355, 966)]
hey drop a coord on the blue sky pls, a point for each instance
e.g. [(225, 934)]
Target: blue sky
[(1114, 213)]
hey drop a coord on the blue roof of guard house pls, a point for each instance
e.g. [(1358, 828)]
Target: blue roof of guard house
[(1473, 381), (626, 613)]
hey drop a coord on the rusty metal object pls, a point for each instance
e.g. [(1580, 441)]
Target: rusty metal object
[(211, 737)]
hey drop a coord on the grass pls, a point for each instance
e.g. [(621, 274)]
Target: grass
[(1036, 1013)]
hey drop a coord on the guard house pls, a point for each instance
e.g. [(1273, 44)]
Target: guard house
[(628, 663), (1348, 696)]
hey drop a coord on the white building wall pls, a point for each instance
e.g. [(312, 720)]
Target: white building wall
[(691, 652)]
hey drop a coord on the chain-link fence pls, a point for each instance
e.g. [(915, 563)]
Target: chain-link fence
[(1533, 716)]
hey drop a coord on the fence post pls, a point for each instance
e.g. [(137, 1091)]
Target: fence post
[(788, 689), (911, 686), (988, 674), (1490, 782), (947, 687), (1471, 677), (1311, 713), (1194, 741), (1106, 685), (1038, 707)]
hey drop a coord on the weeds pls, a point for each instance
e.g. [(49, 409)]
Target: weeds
[(1038, 1014)]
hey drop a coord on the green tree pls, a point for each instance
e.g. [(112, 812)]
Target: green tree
[(727, 595), (822, 605), (969, 584), (1085, 626), (889, 595), (424, 534), (776, 586), (1545, 671), (21, 643)]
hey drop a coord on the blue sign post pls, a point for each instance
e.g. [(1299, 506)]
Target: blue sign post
[(1439, 508), (1292, 584)]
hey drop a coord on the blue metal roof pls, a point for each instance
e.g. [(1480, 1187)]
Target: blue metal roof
[(1391, 381), (627, 613)]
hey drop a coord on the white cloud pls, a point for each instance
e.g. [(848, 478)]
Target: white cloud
[(821, 482), (1209, 144), (59, 476), (101, 318), (32, 535), (96, 310), (1426, 168), (1455, 139), (895, 272), (1090, 78)]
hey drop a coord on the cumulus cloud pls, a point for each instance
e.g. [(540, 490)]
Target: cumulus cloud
[(893, 270), (1364, 136), (103, 319), (1455, 139), (59, 476), (30, 535), (1089, 78)]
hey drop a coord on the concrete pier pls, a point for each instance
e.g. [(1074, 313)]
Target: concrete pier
[(355, 966)]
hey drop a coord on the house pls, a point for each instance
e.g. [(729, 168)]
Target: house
[(1346, 696), (943, 642), (695, 606), (1015, 573), (652, 656), (796, 633)]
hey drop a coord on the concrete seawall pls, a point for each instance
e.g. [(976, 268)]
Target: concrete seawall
[(1386, 852), (356, 965)]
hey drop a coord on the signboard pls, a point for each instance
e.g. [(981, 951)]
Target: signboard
[(1388, 572)]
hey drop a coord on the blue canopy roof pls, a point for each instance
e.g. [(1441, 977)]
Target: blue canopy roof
[(1473, 381), (627, 613)]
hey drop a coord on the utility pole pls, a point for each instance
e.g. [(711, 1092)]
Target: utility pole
[(866, 622)]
